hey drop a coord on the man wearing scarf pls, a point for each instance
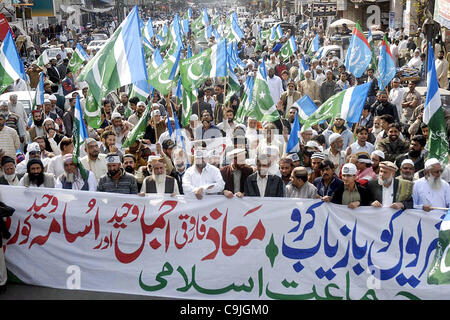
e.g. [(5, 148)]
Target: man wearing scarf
[(72, 179), (36, 177), (10, 176)]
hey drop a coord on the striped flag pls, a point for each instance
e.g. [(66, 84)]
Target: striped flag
[(314, 45), (39, 93), (149, 33), (11, 67), (439, 271), (160, 78), (235, 31), (79, 56), (347, 103), (288, 49), (138, 130), (306, 107), (293, 142), (433, 114), (211, 63), (43, 59), (80, 134), (359, 54), (262, 107), (386, 65), (247, 97), (118, 63)]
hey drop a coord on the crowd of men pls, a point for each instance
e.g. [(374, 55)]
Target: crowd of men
[(381, 161)]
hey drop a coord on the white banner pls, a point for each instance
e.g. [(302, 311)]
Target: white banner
[(216, 248)]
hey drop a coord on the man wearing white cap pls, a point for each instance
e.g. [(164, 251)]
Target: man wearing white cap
[(120, 127), (309, 86), (117, 180), (94, 161), (316, 160), (202, 178), (335, 152), (351, 193), (365, 171), (72, 179), (431, 191), (376, 156), (236, 173), (407, 170), (339, 127), (158, 182), (135, 117), (388, 191)]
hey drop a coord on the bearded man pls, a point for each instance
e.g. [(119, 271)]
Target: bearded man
[(431, 191), (36, 177), (158, 182), (72, 178), (389, 191)]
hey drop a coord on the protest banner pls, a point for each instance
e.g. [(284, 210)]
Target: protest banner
[(218, 248)]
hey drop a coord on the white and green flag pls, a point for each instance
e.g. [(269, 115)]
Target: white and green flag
[(79, 56), (118, 63), (11, 67), (80, 134), (210, 63), (160, 77), (433, 114), (347, 104), (288, 49), (262, 106)]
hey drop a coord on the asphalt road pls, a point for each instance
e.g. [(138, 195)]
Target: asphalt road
[(26, 292)]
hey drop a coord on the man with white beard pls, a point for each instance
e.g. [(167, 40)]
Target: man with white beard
[(431, 191), (10, 176), (159, 182), (388, 191), (71, 178), (407, 170)]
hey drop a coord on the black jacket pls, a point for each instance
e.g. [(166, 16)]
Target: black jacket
[(376, 192), (5, 211), (365, 198), (274, 187)]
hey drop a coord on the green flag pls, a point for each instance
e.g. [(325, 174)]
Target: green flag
[(79, 136), (439, 270), (79, 56), (233, 86), (159, 78), (262, 107), (138, 130), (189, 97), (373, 62)]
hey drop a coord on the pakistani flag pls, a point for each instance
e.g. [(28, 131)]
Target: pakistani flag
[(39, 93), (160, 78), (138, 130), (433, 114), (233, 86), (210, 63), (265, 34), (11, 67), (440, 268), (43, 59), (247, 96), (79, 56), (262, 107), (288, 49), (348, 104), (80, 134), (373, 62), (118, 63), (189, 97)]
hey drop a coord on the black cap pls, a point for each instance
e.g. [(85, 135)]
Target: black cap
[(6, 160), (167, 144)]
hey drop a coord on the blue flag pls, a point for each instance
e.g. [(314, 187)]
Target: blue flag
[(293, 144)]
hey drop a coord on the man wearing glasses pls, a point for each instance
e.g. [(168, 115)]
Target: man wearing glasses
[(299, 187)]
